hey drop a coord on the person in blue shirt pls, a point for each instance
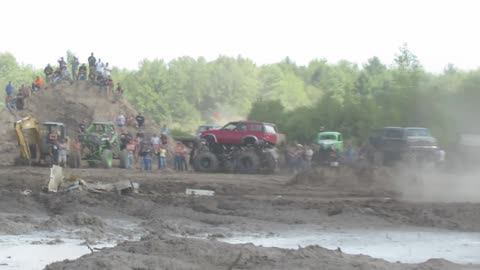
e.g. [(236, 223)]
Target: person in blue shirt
[(8, 98), (165, 130), (9, 88)]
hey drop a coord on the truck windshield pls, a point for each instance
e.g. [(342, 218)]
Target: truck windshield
[(328, 137), (418, 132), (393, 133), (270, 129)]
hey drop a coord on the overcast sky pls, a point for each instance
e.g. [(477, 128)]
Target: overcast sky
[(124, 32)]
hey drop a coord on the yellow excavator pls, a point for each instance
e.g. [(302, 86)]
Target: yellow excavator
[(35, 146)]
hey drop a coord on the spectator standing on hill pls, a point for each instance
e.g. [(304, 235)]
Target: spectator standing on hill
[(62, 64), (186, 156), (155, 140), (147, 152), (9, 88), (62, 153), (82, 73), (77, 148), (131, 148), (99, 68), (92, 61), (292, 157), (120, 121), (179, 156), (53, 136), (75, 64), (48, 71), (140, 120), (138, 142), (107, 71), (164, 138), (162, 157), (308, 156), (9, 92), (131, 121), (165, 130), (82, 126), (119, 89)]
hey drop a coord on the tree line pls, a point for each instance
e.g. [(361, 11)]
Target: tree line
[(343, 96)]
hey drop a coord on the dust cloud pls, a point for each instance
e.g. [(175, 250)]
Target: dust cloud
[(434, 185)]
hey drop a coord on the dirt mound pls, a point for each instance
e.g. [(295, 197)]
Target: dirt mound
[(366, 181), (67, 103), (75, 219), (163, 252)]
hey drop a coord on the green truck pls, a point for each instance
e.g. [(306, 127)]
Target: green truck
[(330, 139), (101, 141)]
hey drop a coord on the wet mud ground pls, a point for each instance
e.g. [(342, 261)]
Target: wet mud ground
[(163, 228)]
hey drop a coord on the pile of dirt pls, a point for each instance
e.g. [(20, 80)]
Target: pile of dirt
[(165, 252), (66, 103), (80, 219), (368, 181)]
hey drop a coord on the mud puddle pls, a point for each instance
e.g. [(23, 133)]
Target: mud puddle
[(393, 246), (35, 251)]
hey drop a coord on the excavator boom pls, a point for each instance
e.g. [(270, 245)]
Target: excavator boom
[(27, 130)]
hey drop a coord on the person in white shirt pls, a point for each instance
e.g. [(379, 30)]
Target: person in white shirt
[(107, 71), (120, 121), (308, 156), (99, 67)]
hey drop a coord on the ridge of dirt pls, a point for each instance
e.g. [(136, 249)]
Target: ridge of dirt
[(164, 252), (242, 204), (66, 103)]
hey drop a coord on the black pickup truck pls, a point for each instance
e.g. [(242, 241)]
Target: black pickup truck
[(393, 144)]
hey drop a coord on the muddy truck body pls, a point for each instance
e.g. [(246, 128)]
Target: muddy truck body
[(391, 145), (238, 147)]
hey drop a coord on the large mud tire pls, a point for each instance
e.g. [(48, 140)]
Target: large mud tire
[(107, 159), (229, 166), (270, 161), (206, 162), (210, 141), (123, 159), (247, 163)]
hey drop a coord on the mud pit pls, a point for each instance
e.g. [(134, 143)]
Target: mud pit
[(162, 228)]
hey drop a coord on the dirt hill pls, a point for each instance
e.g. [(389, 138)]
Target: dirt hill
[(67, 103)]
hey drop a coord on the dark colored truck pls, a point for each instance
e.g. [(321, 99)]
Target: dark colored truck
[(394, 144)]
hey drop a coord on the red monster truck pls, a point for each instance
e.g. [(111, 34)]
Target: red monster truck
[(241, 147)]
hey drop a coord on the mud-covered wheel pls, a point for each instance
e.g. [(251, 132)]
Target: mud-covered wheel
[(210, 140), (123, 159), (270, 161), (205, 162), (229, 166), (247, 162), (107, 159)]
